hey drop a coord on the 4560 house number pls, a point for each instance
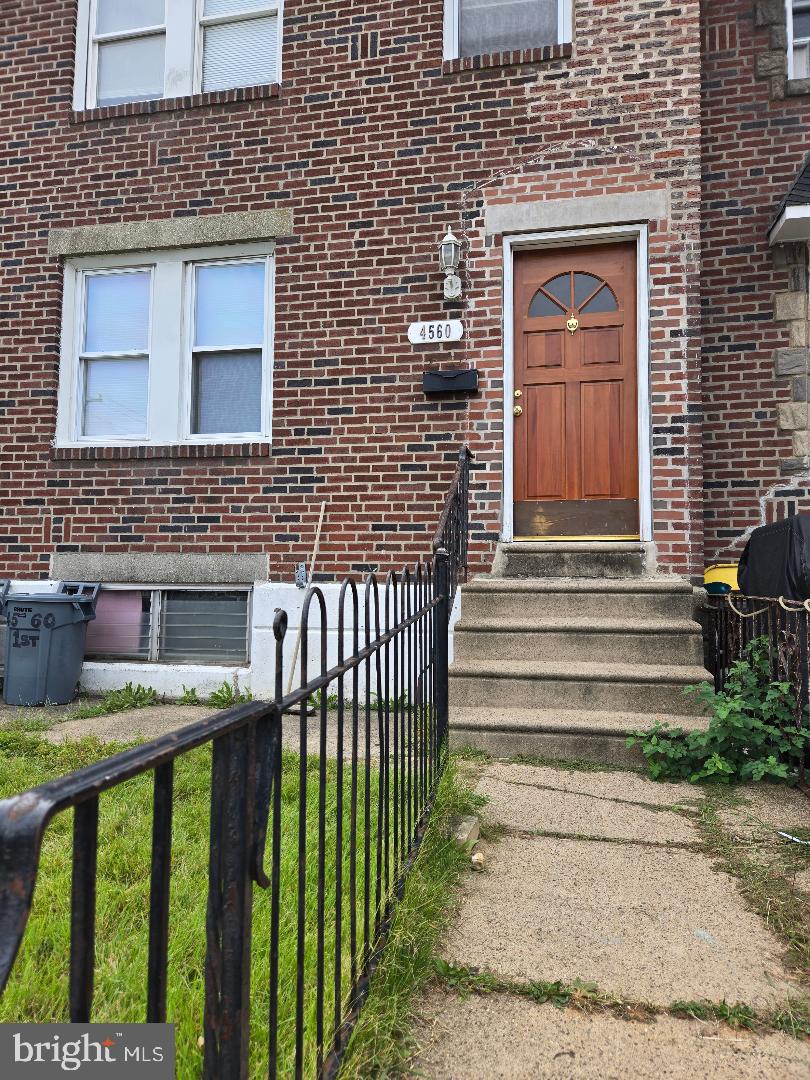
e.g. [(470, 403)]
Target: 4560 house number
[(439, 331)]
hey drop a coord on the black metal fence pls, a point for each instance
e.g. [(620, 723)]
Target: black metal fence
[(734, 621), (453, 533), (320, 798)]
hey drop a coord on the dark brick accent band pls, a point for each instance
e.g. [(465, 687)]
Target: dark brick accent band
[(507, 59), (143, 453), (191, 101)]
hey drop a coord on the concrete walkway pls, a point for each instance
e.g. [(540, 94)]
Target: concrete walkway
[(606, 880), (57, 724)]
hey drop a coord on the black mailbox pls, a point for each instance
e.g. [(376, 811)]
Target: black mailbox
[(450, 382)]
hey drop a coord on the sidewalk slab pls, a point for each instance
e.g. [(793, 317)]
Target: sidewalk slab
[(537, 809), (627, 786), (644, 923), (501, 1037)]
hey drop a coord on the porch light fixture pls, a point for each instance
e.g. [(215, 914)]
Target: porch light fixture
[(449, 259)]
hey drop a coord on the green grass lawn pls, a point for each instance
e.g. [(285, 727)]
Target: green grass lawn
[(38, 988)]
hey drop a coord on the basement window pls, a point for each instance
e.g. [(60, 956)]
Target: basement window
[(170, 626), (798, 29), (478, 27)]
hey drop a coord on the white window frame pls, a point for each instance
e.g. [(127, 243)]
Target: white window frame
[(170, 366), (183, 24), (452, 26), (271, 7), (94, 40), (83, 357), (156, 614), (793, 42)]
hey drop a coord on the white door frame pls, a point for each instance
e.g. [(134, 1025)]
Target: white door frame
[(569, 238)]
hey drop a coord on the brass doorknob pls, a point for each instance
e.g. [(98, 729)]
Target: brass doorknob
[(518, 410)]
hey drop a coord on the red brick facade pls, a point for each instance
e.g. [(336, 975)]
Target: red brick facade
[(754, 296), (376, 145)]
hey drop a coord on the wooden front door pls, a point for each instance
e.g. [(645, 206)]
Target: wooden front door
[(575, 403)]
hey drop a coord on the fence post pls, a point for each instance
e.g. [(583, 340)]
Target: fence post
[(442, 625), (228, 922)]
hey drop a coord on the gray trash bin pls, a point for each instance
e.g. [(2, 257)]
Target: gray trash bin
[(45, 642)]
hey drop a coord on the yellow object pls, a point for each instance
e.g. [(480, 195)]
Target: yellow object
[(722, 572)]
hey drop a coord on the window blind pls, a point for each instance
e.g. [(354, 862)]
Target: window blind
[(243, 53)]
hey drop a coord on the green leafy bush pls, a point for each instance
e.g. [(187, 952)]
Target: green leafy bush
[(115, 701), (130, 697), (189, 696), (752, 733), (228, 695)]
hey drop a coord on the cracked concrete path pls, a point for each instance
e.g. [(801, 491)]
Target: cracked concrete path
[(56, 724), (601, 877), (496, 1038)]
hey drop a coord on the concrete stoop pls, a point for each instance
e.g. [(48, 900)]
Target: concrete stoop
[(566, 666)]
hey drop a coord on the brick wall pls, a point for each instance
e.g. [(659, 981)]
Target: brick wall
[(754, 297), (376, 146)]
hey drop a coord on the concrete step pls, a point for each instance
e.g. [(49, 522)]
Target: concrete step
[(530, 598), (561, 734), (628, 640), (526, 559), (533, 684)]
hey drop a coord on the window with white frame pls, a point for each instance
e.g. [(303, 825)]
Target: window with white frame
[(798, 25), (475, 27), (167, 347), (173, 626), (139, 50)]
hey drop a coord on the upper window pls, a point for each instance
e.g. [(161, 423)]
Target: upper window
[(798, 21), (165, 348), (137, 50), (475, 27)]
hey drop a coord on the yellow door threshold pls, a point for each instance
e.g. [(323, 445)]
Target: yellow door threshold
[(572, 539)]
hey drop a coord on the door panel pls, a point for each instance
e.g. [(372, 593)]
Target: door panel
[(544, 349), (576, 429), (544, 412), (602, 440), (601, 346)]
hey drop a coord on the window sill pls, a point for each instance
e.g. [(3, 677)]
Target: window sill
[(507, 59), (181, 450), (190, 101), (797, 87)]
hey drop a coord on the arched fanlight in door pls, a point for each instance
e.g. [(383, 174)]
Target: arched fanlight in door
[(573, 291)]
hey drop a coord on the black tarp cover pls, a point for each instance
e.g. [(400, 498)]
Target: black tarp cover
[(776, 560)]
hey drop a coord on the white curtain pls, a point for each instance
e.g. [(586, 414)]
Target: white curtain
[(489, 26)]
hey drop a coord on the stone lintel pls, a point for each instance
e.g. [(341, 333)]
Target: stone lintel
[(161, 569), (589, 210), (242, 226)]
